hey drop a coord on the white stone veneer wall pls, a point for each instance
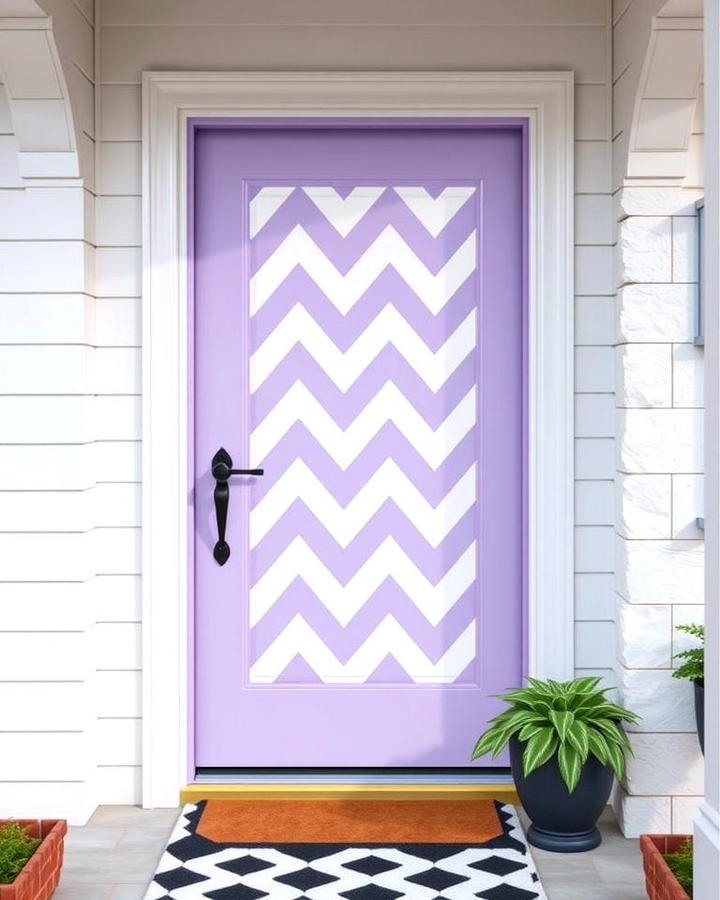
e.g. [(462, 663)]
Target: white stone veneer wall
[(659, 555)]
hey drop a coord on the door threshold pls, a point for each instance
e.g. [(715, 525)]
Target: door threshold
[(406, 786), (362, 776)]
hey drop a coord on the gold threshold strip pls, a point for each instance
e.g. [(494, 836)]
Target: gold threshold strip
[(505, 793)]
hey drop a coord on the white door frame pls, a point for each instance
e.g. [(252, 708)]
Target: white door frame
[(169, 99)]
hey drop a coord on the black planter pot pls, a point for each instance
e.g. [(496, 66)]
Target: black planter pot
[(700, 712), (561, 821)]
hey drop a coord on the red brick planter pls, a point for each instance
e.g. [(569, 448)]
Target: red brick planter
[(660, 882), (41, 875)]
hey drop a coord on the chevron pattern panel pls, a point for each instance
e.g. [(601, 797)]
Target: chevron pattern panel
[(363, 383)]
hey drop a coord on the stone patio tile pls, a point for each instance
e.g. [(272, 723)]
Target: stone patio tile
[(566, 868), (142, 839), (83, 892), (94, 838), (596, 892), (132, 867), (619, 867), (128, 892), (134, 815)]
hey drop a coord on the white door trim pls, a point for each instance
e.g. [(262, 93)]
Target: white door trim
[(169, 99)]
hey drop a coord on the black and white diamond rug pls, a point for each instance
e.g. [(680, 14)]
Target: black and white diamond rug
[(193, 867)]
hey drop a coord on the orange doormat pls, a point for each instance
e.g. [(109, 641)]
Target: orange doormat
[(350, 821), (346, 849)]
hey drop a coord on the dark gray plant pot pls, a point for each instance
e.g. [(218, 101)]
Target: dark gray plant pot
[(561, 821), (700, 712)]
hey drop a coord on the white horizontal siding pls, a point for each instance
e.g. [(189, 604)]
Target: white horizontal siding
[(62, 419), (43, 656), (43, 706)]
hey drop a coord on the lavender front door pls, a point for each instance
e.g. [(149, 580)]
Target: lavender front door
[(358, 334)]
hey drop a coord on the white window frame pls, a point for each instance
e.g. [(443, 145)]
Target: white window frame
[(169, 100)]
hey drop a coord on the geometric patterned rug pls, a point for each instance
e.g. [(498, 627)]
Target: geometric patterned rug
[(194, 867)]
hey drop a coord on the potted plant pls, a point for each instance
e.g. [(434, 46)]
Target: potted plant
[(31, 854), (693, 668), (566, 742), (668, 866)]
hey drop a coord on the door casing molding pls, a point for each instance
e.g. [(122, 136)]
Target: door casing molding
[(169, 100)]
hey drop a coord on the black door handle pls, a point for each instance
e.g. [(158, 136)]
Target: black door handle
[(221, 468)]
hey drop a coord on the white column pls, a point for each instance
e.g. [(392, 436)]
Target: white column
[(707, 824)]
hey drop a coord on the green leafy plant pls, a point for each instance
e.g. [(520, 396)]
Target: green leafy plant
[(693, 666), (570, 719), (16, 848), (681, 865)]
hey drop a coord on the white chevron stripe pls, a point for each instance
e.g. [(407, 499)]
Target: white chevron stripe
[(404, 866), (389, 561), (388, 639), (434, 212), (262, 881), (388, 405), (388, 482), (265, 204), (388, 249), (344, 213), (344, 368)]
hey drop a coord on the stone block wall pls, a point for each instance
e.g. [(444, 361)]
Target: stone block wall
[(659, 547)]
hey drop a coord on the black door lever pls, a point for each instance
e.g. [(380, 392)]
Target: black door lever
[(221, 468)]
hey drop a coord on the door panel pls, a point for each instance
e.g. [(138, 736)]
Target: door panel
[(359, 334)]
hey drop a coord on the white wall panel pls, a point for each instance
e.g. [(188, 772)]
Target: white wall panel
[(120, 167), (127, 50), (44, 370), (593, 219), (62, 269), (594, 549), (119, 785), (117, 598), (38, 467), (116, 460), (118, 272), (594, 503), (595, 415), (118, 742), (595, 458), (44, 756), (594, 370), (117, 645), (595, 321), (120, 109), (116, 370), (592, 167), (594, 643), (595, 596), (44, 318), (377, 12), (43, 706), (43, 657), (119, 222), (37, 606), (117, 322), (117, 694), (59, 420), (41, 213)]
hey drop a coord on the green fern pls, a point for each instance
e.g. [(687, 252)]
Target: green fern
[(566, 719), (693, 667), (16, 848), (681, 865)]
